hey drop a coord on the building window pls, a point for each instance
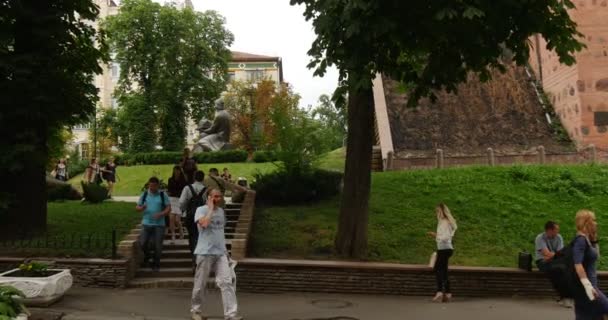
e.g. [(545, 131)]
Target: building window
[(115, 71), (85, 126), (84, 151), (255, 75), (231, 76), (600, 118)]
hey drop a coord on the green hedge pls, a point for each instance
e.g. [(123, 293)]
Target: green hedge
[(280, 188), (166, 157), (264, 156)]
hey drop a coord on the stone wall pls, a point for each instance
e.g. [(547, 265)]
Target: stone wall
[(275, 276), (86, 272), (439, 161)]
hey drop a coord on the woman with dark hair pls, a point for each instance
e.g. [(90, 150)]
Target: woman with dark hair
[(61, 170), (93, 172), (109, 174), (188, 165), (446, 227), (177, 182)]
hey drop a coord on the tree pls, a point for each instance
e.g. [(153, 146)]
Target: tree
[(250, 104), (177, 60), (49, 54), (333, 118), (426, 45), (106, 132)]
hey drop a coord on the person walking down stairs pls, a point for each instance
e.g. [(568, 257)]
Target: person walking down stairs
[(212, 255)]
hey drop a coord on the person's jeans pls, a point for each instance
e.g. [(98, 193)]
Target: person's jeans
[(441, 270), (545, 267), (155, 234)]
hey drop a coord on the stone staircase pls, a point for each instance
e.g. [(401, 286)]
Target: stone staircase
[(176, 261)]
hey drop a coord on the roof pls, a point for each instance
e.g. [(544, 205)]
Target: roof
[(238, 56)]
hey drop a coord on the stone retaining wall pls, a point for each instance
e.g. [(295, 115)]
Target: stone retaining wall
[(275, 276), (86, 272)]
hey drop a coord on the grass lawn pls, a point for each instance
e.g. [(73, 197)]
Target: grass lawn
[(333, 160), (72, 222), (133, 178), (499, 211)]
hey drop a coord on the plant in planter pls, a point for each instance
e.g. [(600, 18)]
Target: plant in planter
[(40, 285), (10, 306), (94, 193)]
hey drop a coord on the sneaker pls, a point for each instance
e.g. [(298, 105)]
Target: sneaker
[(198, 316), (438, 297), (566, 303), (447, 297)]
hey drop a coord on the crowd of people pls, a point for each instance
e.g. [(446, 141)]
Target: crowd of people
[(199, 201), (576, 287)]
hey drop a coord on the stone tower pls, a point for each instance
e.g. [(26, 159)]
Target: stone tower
[(579, 93)]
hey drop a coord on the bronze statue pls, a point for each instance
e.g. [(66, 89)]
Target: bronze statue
[(217, 136)]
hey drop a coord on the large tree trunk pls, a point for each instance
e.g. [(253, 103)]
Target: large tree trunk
[(351, 240)]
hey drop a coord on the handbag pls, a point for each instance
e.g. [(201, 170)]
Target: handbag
[(525, 261), (433, 259)]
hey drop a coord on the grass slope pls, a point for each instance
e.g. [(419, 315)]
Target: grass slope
[(499, 211), (72, 222)]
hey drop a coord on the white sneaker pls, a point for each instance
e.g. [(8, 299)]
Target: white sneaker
[(567, 303), (198, 316)]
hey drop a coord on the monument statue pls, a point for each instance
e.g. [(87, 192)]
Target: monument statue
[(214, 136)]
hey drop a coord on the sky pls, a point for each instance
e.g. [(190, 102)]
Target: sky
[(274, 28)]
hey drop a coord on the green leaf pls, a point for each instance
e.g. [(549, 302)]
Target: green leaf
[(472, 13)]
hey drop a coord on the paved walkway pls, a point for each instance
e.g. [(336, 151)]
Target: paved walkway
[(173, 304)]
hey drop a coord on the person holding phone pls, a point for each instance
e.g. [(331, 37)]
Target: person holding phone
[(211, 255), (155, 205)]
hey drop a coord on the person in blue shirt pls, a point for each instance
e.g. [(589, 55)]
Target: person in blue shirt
[(155, 205)]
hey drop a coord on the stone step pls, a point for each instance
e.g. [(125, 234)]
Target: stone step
[(169, 282), (176, 263), (164, 272), (176, 254)]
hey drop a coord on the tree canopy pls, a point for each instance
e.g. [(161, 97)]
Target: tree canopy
[(426, 45), (49, 55), (177, 60)]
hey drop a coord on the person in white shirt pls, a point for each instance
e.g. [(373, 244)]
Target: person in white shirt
[(446, 227)]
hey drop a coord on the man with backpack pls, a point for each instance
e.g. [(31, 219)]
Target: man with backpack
[(192, 197), (154, 204)]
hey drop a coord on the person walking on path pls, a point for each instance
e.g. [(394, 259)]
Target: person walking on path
[(93, 172), (109, 174), (155, 205), (188, 164), (593, 305), (211, 255), (61, 170), (192, 197), (176, 184), (547, 244), (446, 227)]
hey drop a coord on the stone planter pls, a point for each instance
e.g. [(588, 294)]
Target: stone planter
[(39, 291)]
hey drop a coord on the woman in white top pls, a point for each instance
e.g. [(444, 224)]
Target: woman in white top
[(446, 227)]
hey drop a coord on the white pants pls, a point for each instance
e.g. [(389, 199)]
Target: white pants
[(223, 279)]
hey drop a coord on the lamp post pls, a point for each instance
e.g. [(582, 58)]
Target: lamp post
[(95, 134)]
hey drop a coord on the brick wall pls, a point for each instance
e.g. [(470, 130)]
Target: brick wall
[(275, 276), (86, 272)]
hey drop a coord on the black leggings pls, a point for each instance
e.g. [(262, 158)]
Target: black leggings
[(441, 270)]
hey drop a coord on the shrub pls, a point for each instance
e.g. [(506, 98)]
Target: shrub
[(169, 157), (264, 156), (94, 193), (76, 166), (10, 304), (280, 187)]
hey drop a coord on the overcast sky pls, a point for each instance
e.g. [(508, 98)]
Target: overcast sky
[(273, 27)]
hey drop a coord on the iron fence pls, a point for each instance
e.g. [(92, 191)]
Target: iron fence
[(103, 243)]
